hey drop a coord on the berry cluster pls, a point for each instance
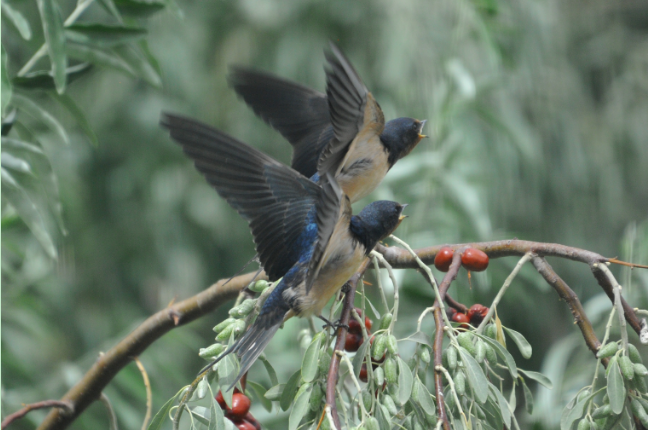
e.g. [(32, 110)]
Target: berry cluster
[(239, 413), (472, 259), (474, 316)]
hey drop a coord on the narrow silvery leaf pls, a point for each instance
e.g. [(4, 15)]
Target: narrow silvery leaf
[(502, 352), (405, 381), (160, 418), (300, 407), (15, 163), (538, 377), (271, 372), (359, 358), (475, 375), (528, 398), (290, 390), (505, 411), (99, 56), (615, 388), (260, 391), (521, 342), (55, 41), (425, 398), (19, 21), (310, 360)]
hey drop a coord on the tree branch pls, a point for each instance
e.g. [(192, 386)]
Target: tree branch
[(570, 297), (89, 388), (67, 408), (332, 378)]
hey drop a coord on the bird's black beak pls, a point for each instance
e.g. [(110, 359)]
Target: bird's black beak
[(421, 135)]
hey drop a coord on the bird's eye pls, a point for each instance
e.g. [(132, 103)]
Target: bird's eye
[(415, 126)]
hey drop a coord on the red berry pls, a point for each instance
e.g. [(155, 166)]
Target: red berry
[(474, 259), (221, 401), (354, 326), (476, 313), (250, 419), (450, 312), (352, 342), (240, 406), (244, 425), (443, 259), (460, 318), (368, 323), (363, 373)]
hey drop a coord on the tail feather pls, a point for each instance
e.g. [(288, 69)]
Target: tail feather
[(251, 345)]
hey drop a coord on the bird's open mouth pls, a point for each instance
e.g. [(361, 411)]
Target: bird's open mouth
[(421, 135)]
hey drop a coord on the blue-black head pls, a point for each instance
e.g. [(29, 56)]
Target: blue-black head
[(376, 221), (400, 136)]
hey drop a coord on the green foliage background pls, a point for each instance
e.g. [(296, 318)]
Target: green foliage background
[(537, 117)]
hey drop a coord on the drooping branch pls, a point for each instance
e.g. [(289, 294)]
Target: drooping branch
[(66, 407), (89, 388), (332, 378), (570, 297)]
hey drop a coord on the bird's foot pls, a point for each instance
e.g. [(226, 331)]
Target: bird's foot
[(334, 325)]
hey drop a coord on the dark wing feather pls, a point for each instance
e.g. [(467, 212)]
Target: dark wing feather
[(273, 198), (299, 113), (328, 213), (347, 99)]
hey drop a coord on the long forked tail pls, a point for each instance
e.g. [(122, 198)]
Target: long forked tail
[(256, 338)]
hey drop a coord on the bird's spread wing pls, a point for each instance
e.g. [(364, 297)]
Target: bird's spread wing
[(299, 113), (352, 109), (328, 214), (273, 198)]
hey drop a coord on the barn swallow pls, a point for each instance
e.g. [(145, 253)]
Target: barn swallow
[(346, 121), (304, 231)]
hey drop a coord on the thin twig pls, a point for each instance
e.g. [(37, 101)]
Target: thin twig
[(112, 418), (617, 304), (528, 256), (67, 408), (149, 394)]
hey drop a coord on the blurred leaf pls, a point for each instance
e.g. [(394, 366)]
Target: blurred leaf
[(300, 407), (103, 35), (383, 417), (216, 419), (173, 7), (310, 360), (146, 51), (475, 375), (140, 64), (538, 377), (8, 120), (110, 6), (288, 394), (520, 341), (55, 40), (160, 418), (505, 411), (40, 114), (43, 80), (69, 104), (615, 388), (19, 21), (528, 397), (138, 9), (43, 169), (15, 163), (271, 372), (405, 381), (20, 200), (6, 83), (228, 369), (259, 390), (98, 56)]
